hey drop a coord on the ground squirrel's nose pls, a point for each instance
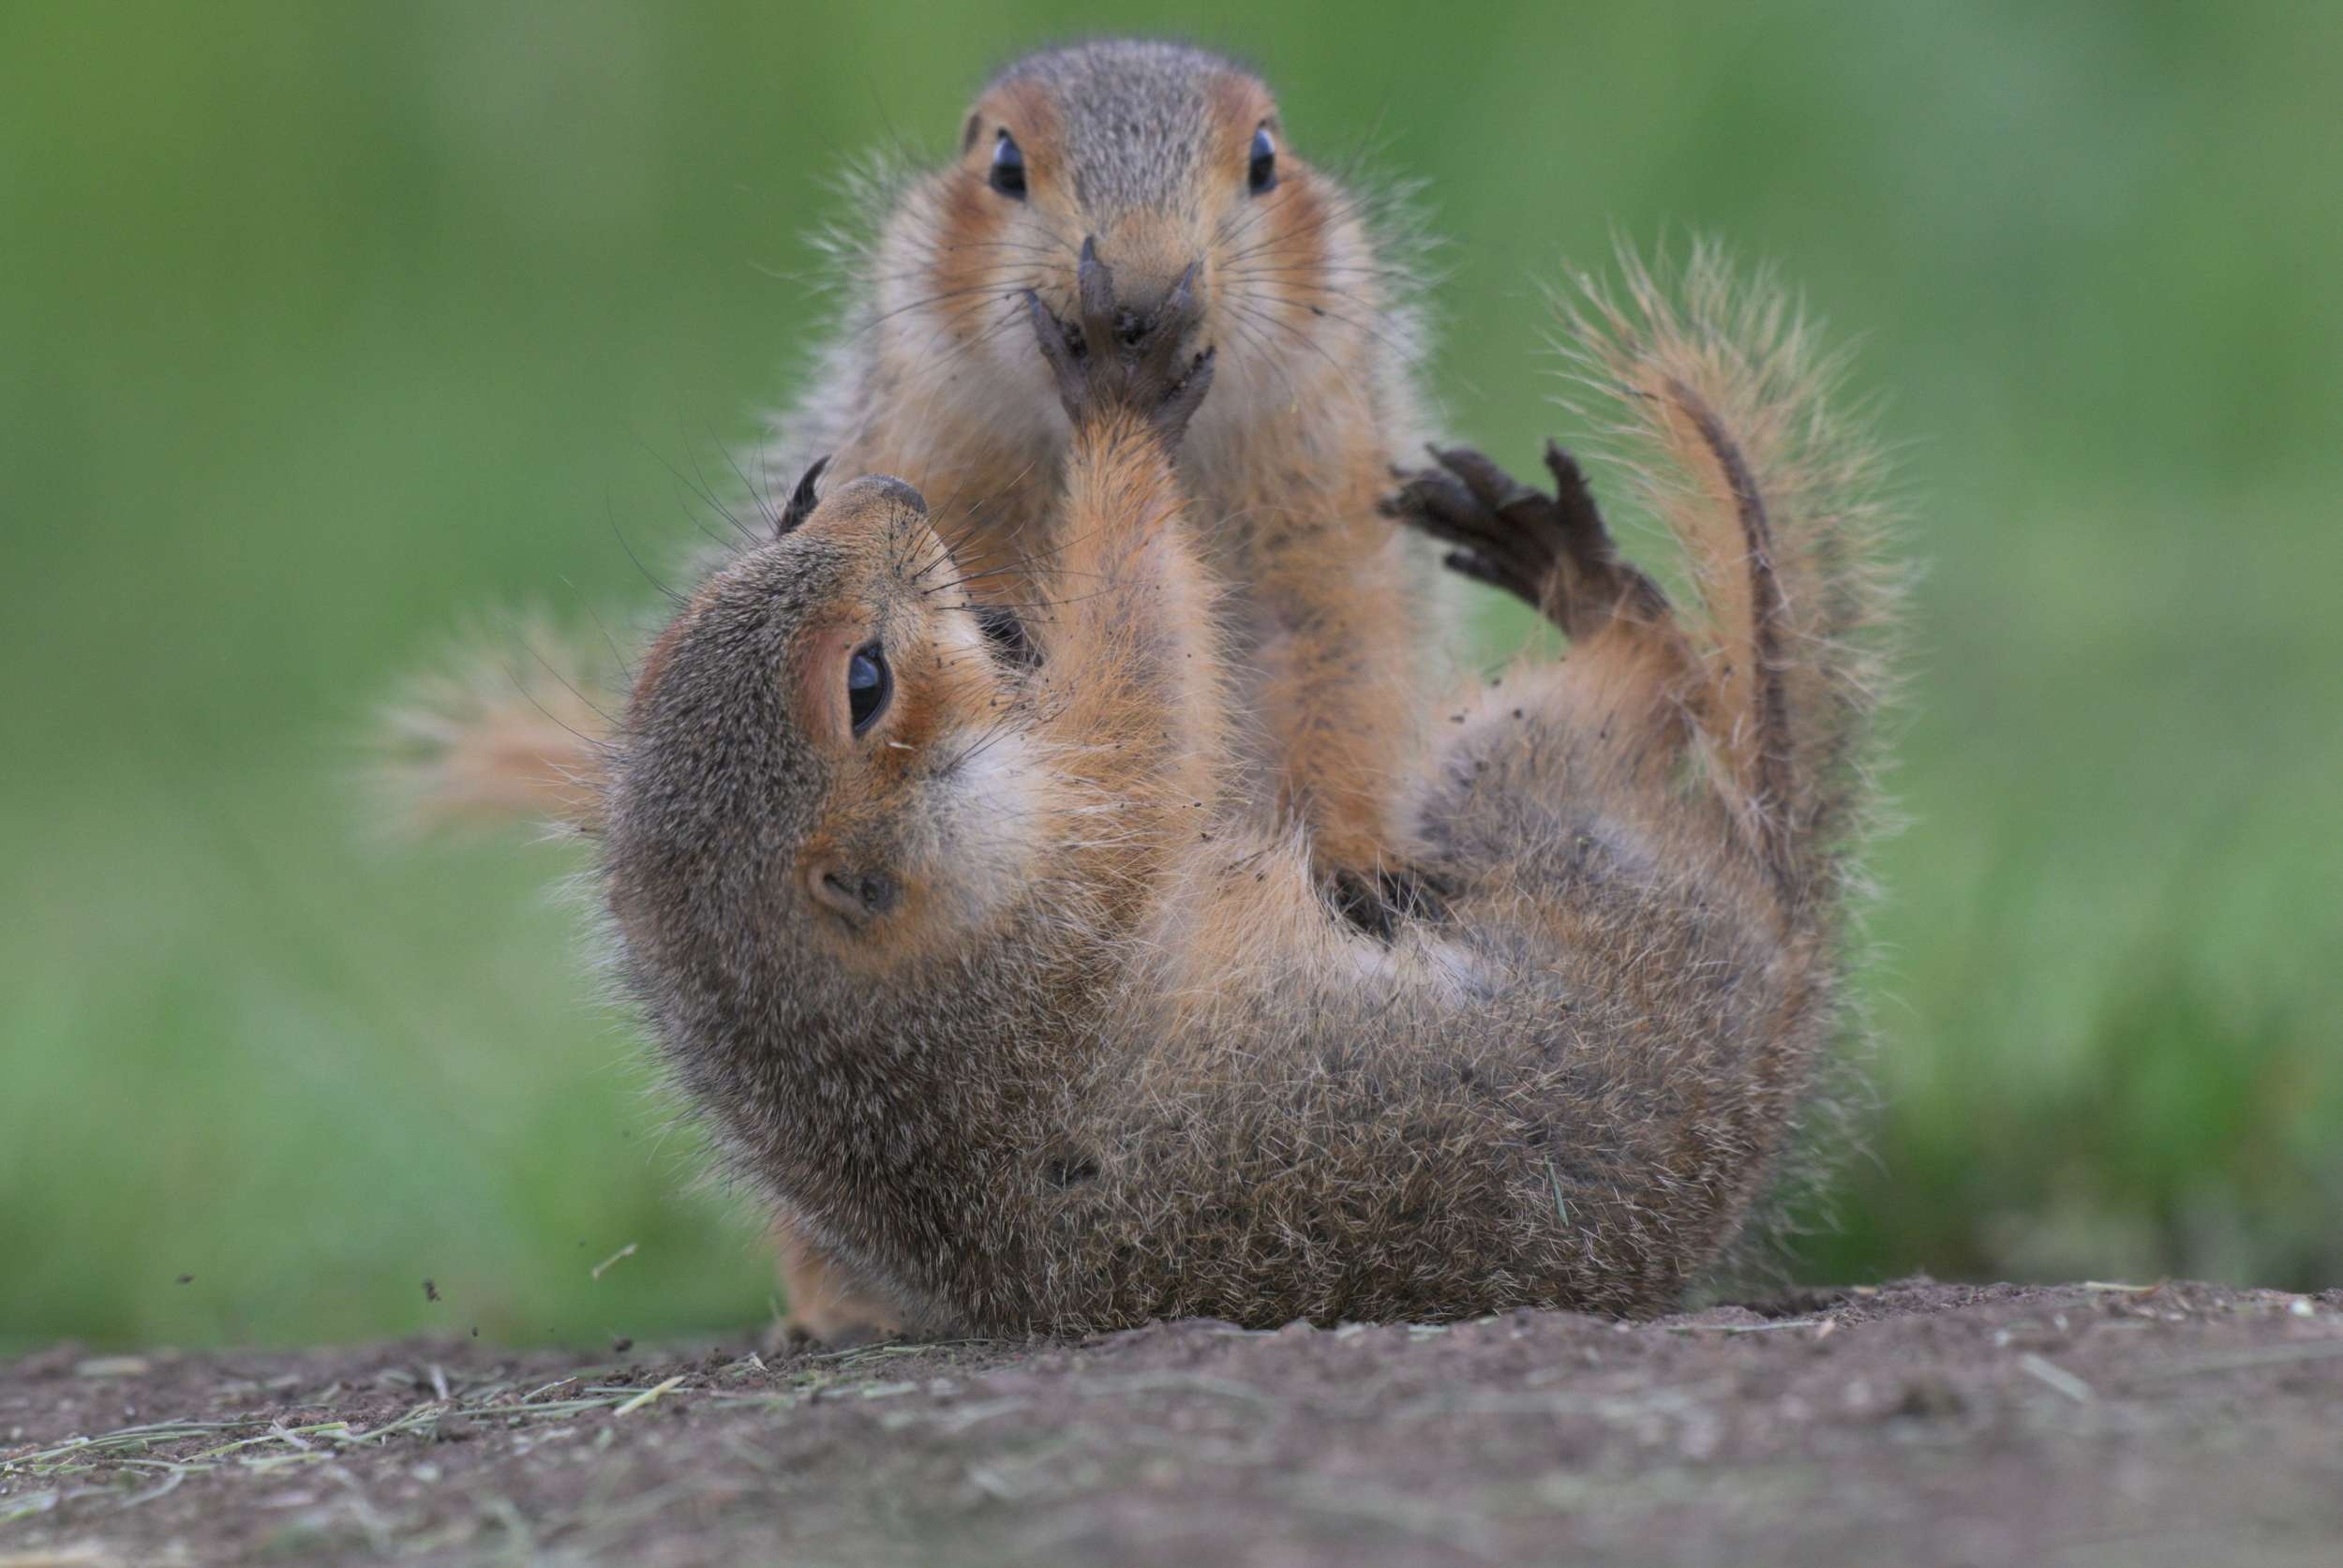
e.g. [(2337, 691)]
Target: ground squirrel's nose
[(860, 896), (1145, 292), (887, 488)]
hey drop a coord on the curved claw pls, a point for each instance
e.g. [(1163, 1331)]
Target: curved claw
[(1093, 282), (1468, 563), (1046, 328), (1169, 330), (1491, 486), (1574, 501), (1438, 503), (1179, 405), (1063, 357), (1176, 314), (1567, 474)]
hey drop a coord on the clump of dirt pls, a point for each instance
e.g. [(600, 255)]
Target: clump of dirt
[(1916, 1424)]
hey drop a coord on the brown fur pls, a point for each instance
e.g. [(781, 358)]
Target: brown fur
[(1142, 147), (1112, 1055), (1330, 612), (1332, 617), (511, 726)]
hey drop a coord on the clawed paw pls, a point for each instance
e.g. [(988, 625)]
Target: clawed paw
[(1551, 551), (1109, 359)]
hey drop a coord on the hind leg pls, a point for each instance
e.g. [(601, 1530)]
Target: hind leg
[(1601, 730), (1550, 551)]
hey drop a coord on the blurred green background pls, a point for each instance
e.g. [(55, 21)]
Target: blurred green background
[(320, 325)]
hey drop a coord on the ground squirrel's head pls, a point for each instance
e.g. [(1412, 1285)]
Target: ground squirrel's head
[(836, 765), (817, 760), (1170, 160)]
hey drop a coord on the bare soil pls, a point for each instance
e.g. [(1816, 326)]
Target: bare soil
[(1916, 1424)]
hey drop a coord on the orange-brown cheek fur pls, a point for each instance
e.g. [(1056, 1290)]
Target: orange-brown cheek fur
[(817, 680), (967, 266), (973, 261), (1293, 246), (860, 828), (1237, 108), (872, 816)]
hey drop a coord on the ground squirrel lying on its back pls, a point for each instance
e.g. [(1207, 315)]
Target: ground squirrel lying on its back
[(1170, 162), (980, 966)]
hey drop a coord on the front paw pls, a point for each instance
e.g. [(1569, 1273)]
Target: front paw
[(1110, 362)]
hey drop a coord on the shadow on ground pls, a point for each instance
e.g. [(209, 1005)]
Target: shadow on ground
[(1914, 1424)]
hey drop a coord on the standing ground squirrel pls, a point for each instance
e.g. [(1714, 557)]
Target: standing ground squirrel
[(983, 966)]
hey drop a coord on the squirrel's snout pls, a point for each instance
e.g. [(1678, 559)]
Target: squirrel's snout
[(860, 896), (1142, 311), (887, 490), (1147, 287)]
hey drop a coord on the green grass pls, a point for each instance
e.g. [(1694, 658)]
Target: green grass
[(320, 327)]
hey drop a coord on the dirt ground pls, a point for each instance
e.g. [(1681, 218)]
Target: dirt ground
[(1914, 1424)]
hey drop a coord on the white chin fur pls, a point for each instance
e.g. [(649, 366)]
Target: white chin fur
[(989, 826)]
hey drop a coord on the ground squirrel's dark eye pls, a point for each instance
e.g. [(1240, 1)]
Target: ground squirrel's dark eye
[(869, 684), (1009, 167), (1261, 172)]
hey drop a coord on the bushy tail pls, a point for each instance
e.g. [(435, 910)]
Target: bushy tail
[(1725, 407), (512, 727)]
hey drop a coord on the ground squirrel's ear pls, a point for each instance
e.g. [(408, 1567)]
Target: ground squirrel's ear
[(801, 500)]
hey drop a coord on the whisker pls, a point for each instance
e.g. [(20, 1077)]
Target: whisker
[(671, 596)]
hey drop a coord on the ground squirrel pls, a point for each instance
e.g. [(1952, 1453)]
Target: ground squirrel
[(1168, 162), (983, 967)]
